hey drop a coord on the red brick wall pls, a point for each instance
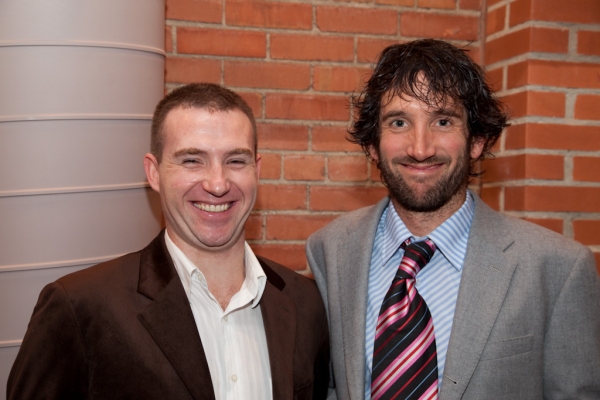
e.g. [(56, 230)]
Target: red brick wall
[(544, 58), (296, 63)]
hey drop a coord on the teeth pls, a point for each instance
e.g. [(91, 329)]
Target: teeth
[(213, 208)]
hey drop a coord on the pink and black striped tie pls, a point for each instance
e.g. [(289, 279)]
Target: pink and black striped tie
[(404, 355)]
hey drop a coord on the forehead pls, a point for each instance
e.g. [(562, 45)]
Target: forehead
[(198, 126), (428, 104)]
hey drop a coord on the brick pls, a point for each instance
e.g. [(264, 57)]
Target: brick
[(188, 70), (357, 20), (470, 4), (491, 196), (339, 79), (495, 78), (587, 106), (311, 47), (587, 231), (347, 168), (544, 104), (307, 107), (586, 169), (520, 12), (295, 227), (267, 75), (587, 42), (194, 10), (290, 255), (304, 168), (270, 166), (268, 14), (332, 138), (523, 166), (553, 224), (577, 11), (282, 137), (448, 4), (254, 100), (221, 42), (281, 197), (446, 26), (368, 49), (553, 136), (408, 3), (552, 198), (495, 20), (553, 73), (375, 174), (254, 227), (168, 39), (526, 40), (490, 3), (344, 198)]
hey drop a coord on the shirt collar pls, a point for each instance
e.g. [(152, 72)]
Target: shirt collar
[(255, 279), (450, 237)]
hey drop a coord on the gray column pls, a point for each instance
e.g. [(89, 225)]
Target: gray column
[(79, 80)]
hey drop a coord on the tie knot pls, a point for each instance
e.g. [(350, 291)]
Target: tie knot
[(416, 256)]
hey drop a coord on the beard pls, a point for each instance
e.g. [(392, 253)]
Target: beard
[(435, 197)]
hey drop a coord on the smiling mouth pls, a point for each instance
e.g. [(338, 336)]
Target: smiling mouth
[(212, 208)]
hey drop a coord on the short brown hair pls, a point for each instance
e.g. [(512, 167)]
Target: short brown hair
[(196, 95)]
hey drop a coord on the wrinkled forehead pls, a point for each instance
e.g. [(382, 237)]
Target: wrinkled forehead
[(433, 98), (430, 103)]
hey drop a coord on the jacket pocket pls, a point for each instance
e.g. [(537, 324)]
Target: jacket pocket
[(507, 348)]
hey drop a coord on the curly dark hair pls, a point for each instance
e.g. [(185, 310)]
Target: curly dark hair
[(196, 95), (450, 76)]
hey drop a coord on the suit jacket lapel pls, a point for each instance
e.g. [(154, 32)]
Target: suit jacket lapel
[(279, 319), (485, 280), (170, 321), (353, 263)]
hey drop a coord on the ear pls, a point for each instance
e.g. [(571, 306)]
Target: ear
[(373, 153), (151, 168), (477, 145), (258, 162)]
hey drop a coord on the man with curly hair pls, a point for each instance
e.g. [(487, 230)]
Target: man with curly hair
[(430, 293)]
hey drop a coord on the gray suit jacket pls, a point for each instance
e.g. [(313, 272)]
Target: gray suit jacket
[(527, 320)]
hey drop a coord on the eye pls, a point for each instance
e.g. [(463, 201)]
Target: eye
[(444, 122), (398, 123)]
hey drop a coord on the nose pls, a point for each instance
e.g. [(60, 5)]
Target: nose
[(421, 146), (216, 181)]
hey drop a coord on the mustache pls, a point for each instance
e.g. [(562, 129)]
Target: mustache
[(407, 160)]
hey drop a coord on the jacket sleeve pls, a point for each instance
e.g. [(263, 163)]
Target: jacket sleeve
[(572, 347), (322, 368), (51, 362)]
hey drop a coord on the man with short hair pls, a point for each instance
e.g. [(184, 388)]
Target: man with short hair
[(195, 315), (430, 293)]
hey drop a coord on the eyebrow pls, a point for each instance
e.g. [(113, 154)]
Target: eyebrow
[(192, 151), (443, 112)]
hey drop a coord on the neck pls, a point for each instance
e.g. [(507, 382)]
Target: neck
[(223, 270), (423, 223)]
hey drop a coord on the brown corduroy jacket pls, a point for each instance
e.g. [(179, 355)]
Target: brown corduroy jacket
[(124, 329)]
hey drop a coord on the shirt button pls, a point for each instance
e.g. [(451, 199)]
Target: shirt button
[(234, 378), (225, 318)]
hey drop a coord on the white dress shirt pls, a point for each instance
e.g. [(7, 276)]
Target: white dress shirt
[(234, 339)]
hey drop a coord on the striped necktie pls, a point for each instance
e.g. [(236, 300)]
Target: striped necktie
[(404, 355)]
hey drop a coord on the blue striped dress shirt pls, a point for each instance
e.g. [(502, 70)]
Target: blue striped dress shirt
[(437, 283)]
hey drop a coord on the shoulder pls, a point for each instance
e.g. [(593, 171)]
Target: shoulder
[(362, 220), (527, 239), (102, 279), (300, 289)]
